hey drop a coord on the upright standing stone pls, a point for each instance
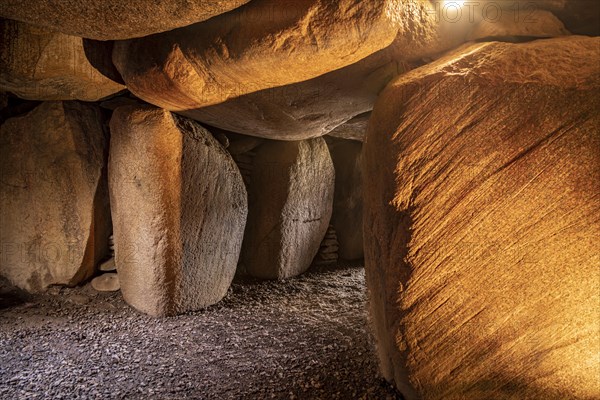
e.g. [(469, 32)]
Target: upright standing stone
[(291, 195), (482, 223), (179, 209), (54, 213)]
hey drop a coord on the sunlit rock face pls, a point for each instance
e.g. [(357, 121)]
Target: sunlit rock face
[(316, 106), (290, 197), (114, 19), (307, 109), (179, 208), (580, 16), (53, 195), (482, 221), (38, 64), (348, 198), (264, 44)]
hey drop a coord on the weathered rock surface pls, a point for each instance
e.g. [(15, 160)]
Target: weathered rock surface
[(53, 195), (290, 200), (37, 64), (264, 44), (580, 16), (481, 223), (347, 216), (316, 106), (354, 129), (179, 209), (108, 282), (328, 250), (114, 19), (512, 25)]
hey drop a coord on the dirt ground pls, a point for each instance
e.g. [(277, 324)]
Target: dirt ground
[(304, 338)]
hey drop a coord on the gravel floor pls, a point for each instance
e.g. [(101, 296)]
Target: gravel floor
[(305, 338)]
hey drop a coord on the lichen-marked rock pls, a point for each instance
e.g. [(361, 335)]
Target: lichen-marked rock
[(481, 223), (290, 200), (53, 195), (179, 209)]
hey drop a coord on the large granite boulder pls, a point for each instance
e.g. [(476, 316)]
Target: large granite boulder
[(510, 25), (114, 19), (482, 221), (37, 64), (53, 195), (581, 17), (179, 209), (290, 201), (316, 106), (264, 44)]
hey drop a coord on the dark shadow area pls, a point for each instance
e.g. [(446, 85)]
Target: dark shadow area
[(99, 54), (11, 296), (16, 107)]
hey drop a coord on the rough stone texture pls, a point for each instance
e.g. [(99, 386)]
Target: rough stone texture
[(347, 216), (290, 197), (53, 198), (327, 256), (37, 64), (307, 109), (179, 209), (264, 44), (316, 106), (354, 129), (580, 16), (114, 19), (509, 26), (482, 222)]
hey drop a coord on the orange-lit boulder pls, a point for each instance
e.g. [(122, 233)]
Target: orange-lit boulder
[(509, 26), (37, 64), (54, 211), (114, 19), (264, 44), (580, 16), (482, 223), (179, 209), (314, 107)]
